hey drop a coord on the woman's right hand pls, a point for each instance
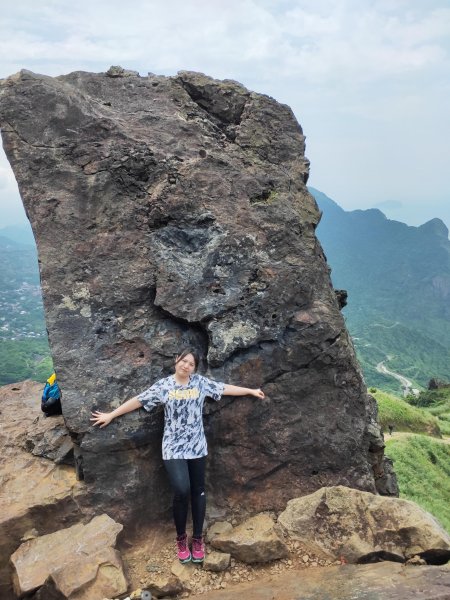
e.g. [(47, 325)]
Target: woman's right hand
[(101, 419)]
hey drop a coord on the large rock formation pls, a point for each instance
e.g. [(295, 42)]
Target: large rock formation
[(170, 211)]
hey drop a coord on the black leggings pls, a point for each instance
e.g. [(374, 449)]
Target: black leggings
[(187, 477)]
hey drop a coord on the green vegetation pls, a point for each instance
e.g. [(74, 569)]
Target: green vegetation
[(403, 416), (24, 359), (422, 466), (437, 403), (267, 197)]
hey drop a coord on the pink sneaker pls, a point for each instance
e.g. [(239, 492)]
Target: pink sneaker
[(198, 550), (183, 552)]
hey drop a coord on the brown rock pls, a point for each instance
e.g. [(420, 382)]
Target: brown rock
[(183, 572), (27, 427), (77, 557), (218, 528), (164, 586), (355, 526), (35, 493), (217, 561), (98, 575), (253, 541)]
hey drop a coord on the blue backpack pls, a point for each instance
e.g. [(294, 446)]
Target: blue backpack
[(51, 397)]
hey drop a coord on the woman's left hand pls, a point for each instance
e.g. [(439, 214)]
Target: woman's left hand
[(259, 394)]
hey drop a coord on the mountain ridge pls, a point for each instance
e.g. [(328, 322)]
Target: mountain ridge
[(393, 273)]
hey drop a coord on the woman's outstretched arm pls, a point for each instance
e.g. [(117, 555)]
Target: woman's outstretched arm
[(103, 419), (235, 390)]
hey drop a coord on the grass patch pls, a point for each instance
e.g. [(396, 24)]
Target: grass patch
[(422, 466), (436, 403), (404, 417)]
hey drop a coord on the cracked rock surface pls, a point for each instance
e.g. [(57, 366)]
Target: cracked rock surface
[(170, 211)]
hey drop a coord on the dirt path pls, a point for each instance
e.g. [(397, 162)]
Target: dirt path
[(404, 434)]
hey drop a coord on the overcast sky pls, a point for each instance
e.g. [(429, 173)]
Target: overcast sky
[(368, 80)]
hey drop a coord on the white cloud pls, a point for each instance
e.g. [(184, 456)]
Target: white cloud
[(368, 79), (316, 42)]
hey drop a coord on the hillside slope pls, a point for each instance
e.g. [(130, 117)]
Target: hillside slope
[(398, 282)]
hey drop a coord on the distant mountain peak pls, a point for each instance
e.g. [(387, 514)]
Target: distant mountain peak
[(375, 213), (437, 227)]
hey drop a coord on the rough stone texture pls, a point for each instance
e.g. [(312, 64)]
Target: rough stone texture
[(217, 561), (80, 561), (218, 528), (381, 581), (49, 438), (256, 540), (362, 527), (179, 214), (183, 572), (34, 492), (97, 576), (163, 586)]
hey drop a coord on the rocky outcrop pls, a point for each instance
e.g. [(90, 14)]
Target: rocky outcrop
[(170, 211), (362, 527), (37, 496), (78, 563)]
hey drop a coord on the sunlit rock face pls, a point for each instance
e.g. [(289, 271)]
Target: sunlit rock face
[(170, 211)]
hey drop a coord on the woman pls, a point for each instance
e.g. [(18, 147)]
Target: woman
[(184, 445)]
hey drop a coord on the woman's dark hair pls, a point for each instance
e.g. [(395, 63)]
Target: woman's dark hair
[(187, 351)]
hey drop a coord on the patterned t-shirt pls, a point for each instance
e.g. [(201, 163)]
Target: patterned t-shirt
[(184, 436)]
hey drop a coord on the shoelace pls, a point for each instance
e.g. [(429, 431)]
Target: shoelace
[(197, 544), (182, 544)]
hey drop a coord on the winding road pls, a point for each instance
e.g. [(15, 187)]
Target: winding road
[(406, 383)]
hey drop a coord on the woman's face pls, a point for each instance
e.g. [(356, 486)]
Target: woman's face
[(185, 366)]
